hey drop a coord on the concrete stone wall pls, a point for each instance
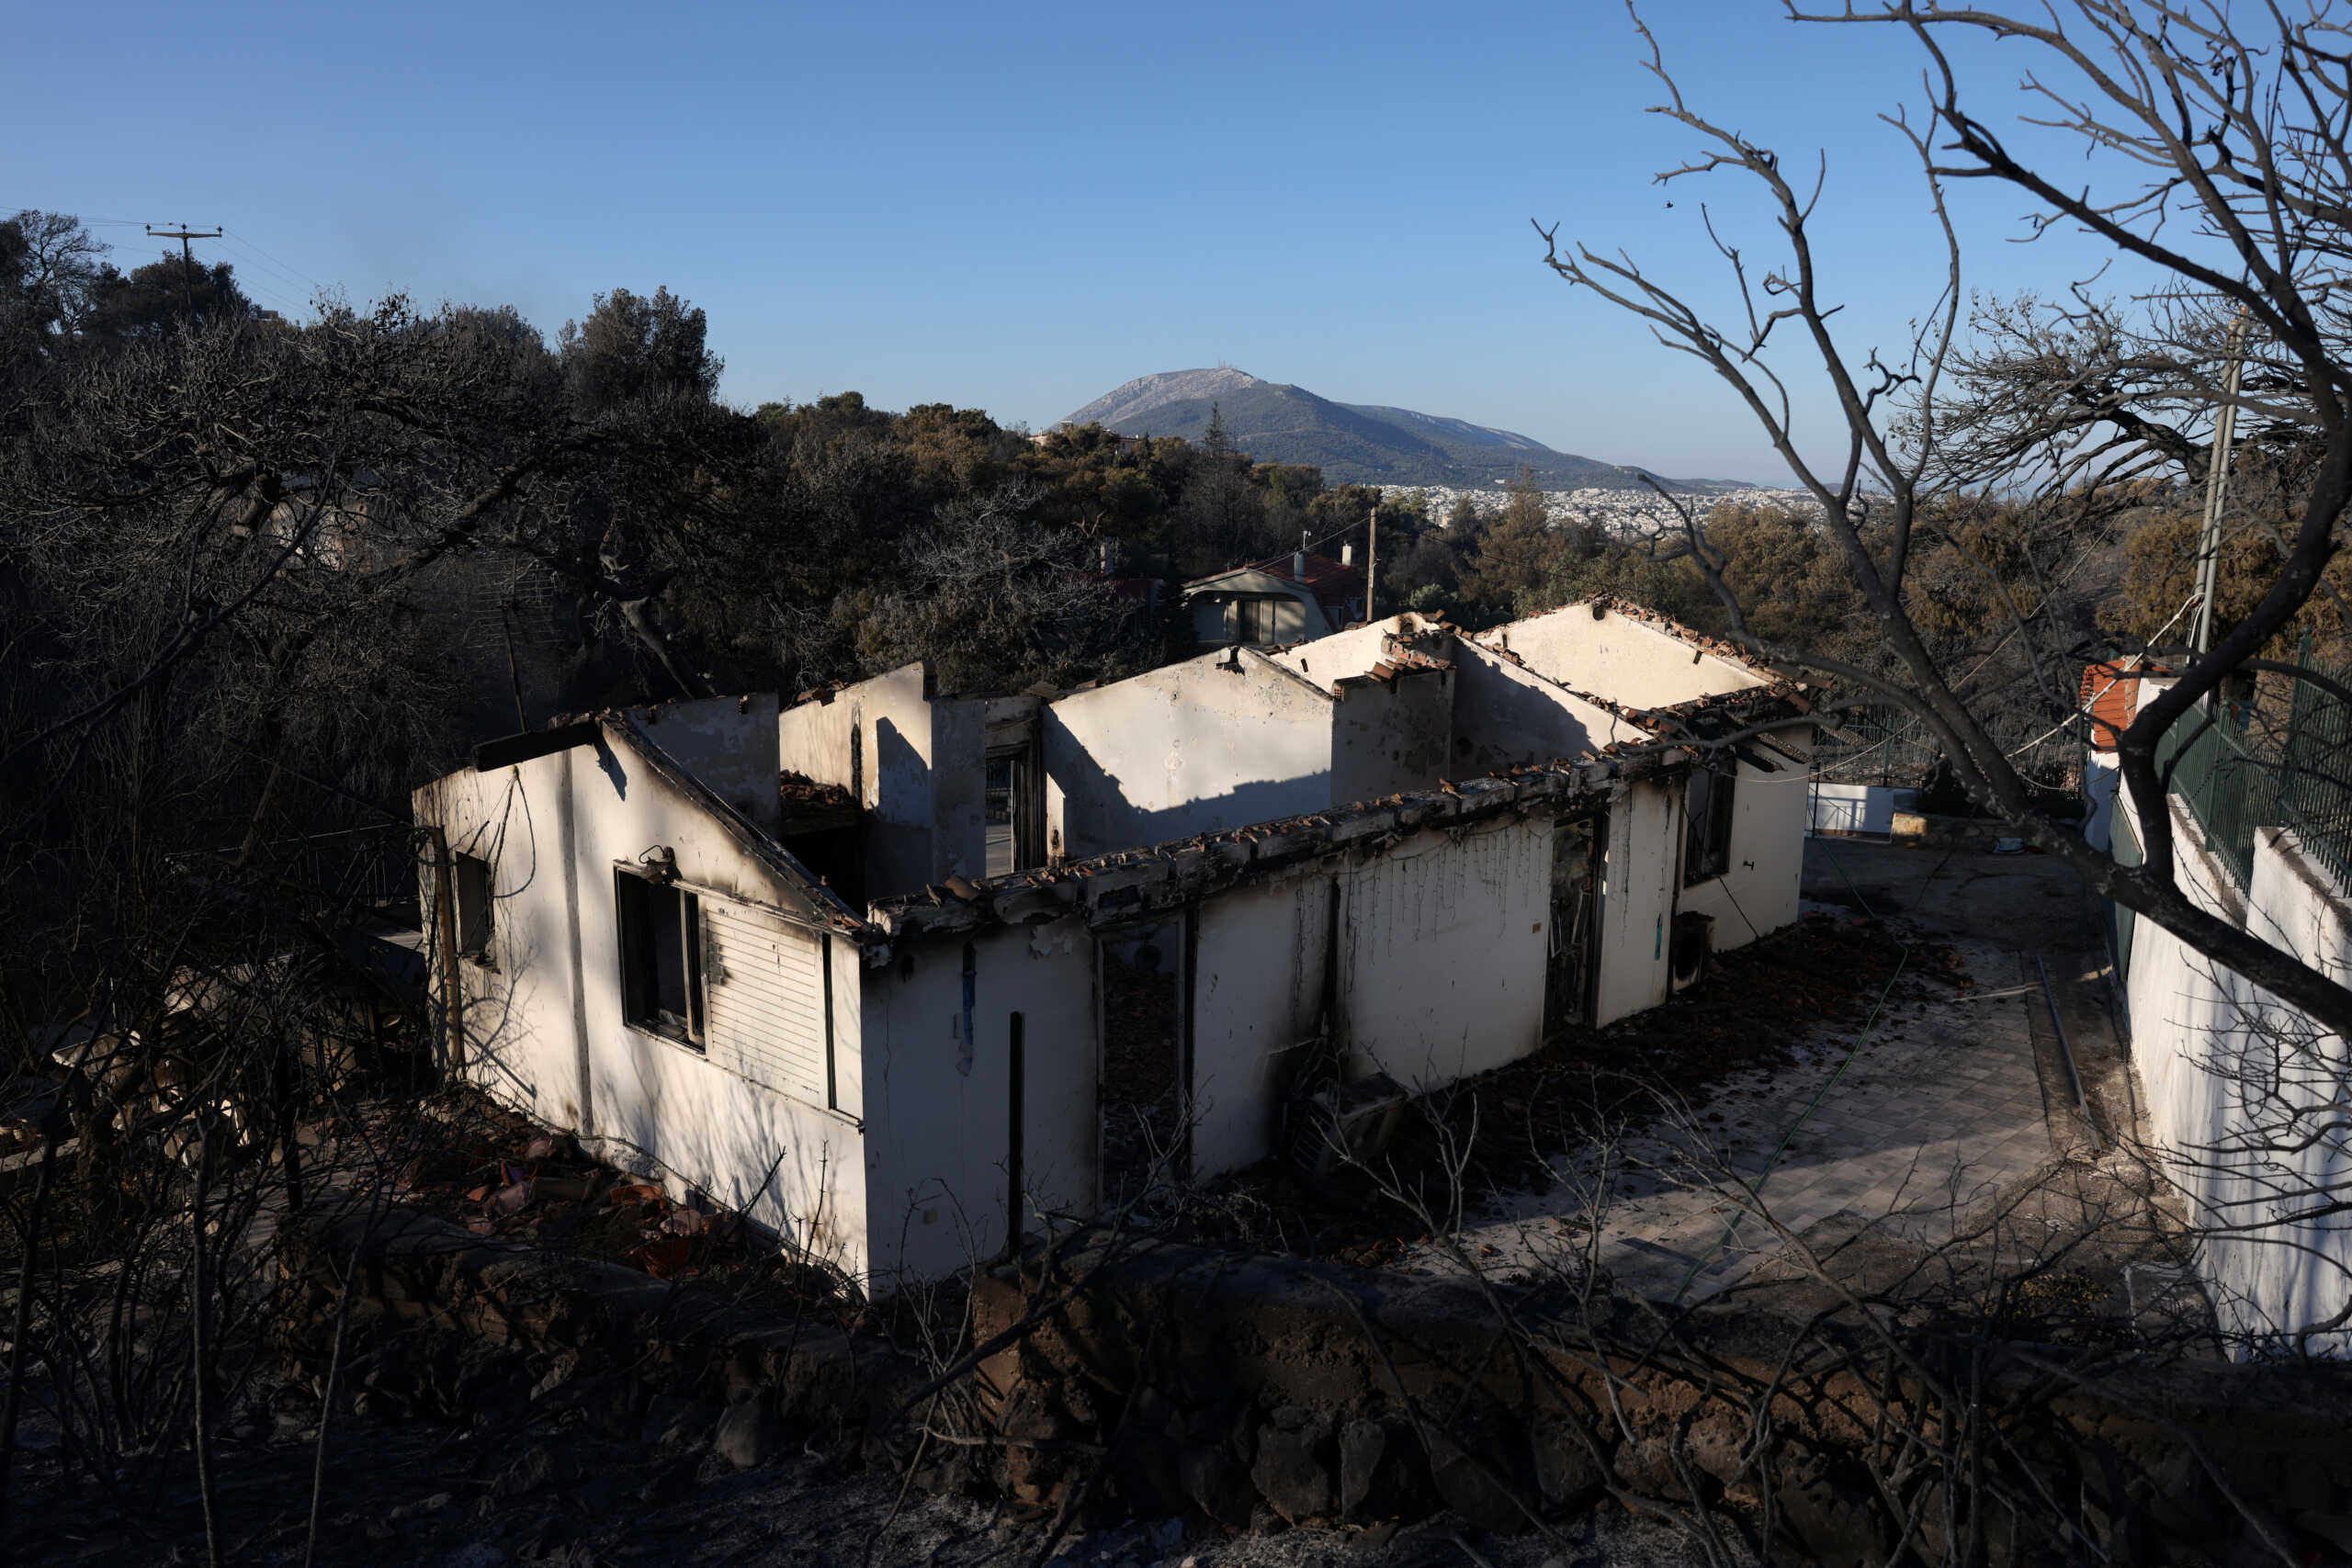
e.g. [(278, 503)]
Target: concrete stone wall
[(1857, 809), (1220, 741), (1201, 1381), (1390, 735), (2235, 1079), (1353, 651), (1173, 1380)]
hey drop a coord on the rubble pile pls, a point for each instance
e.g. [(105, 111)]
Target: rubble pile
[(1744, 1015), (500, 1177)]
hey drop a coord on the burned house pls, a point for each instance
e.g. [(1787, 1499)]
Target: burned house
[(898, 971)]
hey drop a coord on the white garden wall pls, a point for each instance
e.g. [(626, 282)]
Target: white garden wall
[(2220, 1060)]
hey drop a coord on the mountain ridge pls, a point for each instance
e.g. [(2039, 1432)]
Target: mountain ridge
[(1277, 422)]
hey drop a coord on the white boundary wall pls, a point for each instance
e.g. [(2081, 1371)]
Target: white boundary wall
[(2234, 1076)]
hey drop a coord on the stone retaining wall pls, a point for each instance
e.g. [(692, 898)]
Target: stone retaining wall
[(1204, 1382), (1152, 1380), (458, 1327)]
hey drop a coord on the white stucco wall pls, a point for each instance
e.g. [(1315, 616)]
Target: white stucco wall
[(938, 1099), (1390, 735), (2209, 1047), (2102, 777), (1625, 660), (1258, 991), (729, 744), (1859, 807), (1351, 652), (1442, 952), (918, 766), (518, 1013), (1219, 741), (1769, 812), (1640, 867), (1504, 715), (545, 1028), (959, 782)]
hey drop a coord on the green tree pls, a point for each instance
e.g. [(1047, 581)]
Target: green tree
[(155, 298), (637, 346)]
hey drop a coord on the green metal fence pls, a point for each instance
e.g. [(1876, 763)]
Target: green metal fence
[(2228, 790), (2305, 786), (2315, 778)]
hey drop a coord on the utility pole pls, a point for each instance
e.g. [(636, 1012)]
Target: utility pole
[(187, 262), (2217, 483), (1372, 561)]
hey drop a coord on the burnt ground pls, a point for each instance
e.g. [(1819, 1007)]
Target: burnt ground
[(482, 1166), (409, 1492), (415, 1495), (1748, 1014)]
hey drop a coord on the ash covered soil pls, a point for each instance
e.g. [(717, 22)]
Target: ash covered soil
[(414, 1495), (1503, 1132), (561, 1489)]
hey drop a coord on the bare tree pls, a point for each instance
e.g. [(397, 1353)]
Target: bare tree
[(2221, 161)]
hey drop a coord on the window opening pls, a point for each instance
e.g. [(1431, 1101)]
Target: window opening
[(661, 941), (1707, 822), (469, 877), (1576, 884)]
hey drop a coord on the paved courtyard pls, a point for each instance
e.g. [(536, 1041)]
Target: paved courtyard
[(1954, 1100)]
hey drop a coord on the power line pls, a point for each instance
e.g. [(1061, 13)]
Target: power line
[(16, 207), (187, 260), (287, 268), (252, 258)]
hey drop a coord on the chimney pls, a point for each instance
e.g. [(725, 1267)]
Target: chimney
[(1347, 554), (1298, 561)]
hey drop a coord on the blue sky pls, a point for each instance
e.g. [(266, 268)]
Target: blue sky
[(1012, 208)]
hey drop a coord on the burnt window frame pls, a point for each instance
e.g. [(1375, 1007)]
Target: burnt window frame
[(638, 917), (1706, 837), (473, 891)]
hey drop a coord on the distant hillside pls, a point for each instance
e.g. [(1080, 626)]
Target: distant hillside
[(1352, 443)]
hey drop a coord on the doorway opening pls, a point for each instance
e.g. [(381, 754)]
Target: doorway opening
[(1571, 957), (1146, 1072), (1016, 809)]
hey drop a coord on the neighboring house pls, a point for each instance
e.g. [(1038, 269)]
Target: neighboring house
[(975, 962), (1292, 598)]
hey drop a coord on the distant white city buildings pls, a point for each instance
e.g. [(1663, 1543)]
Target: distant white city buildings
[(1617, 512)]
